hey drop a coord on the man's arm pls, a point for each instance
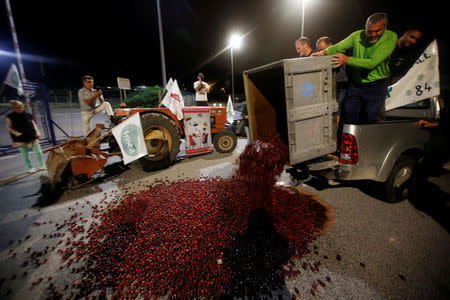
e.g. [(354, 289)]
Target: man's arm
[(380, 55), (10, 129), (89, 100), (340, 47), (198, 86)]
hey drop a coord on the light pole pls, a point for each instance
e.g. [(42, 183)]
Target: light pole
[(303, 16), (161, 45), (235, 42)]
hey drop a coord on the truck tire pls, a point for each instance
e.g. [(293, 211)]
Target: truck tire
[(162, 139), (400, 181), (225, 141)]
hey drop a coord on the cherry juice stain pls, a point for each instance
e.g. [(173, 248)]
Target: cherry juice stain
[(198, 238)]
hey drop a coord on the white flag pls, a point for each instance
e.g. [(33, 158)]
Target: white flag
[(13, 79), (230, 110), (169, 84), (168, 90), (421, 81), (130, 138), (174, 100)]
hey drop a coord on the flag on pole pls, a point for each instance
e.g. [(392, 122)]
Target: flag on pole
[(130, 138), (168, 88), (13, 79), (174, 100), (421, 81), (230, 110), (169, 84)]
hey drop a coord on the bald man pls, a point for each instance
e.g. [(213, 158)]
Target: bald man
[(371, 49)]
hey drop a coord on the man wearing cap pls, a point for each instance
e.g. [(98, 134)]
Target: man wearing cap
[(201, 89)]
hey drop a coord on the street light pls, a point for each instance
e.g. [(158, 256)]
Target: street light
[(161, 45), (303, 15), (235, 42)]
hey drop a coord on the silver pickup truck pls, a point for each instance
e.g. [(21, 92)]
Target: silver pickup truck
[(295, 99)]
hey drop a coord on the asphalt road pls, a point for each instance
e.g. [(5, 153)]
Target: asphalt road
[(404, 247)]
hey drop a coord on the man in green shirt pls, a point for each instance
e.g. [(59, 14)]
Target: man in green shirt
[(368, 66)]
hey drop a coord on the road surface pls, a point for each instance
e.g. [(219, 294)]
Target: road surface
[(404, 247)]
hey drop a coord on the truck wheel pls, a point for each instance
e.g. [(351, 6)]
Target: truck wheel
[(162, 139), (225, 141), (400, 181)]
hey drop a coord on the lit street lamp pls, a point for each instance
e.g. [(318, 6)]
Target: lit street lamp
[(303, 16), (235, 42)]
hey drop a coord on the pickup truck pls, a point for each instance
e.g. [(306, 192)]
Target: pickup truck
[(386, 152), (295, 98)]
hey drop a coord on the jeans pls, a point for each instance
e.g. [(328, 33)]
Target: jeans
[(37, 150), (363, 102)]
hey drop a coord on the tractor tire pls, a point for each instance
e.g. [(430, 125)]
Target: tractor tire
[(162, 139), (225, 141), (400, 183)]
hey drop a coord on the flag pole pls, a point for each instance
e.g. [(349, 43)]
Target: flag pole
[(161, 45), (19, 56)]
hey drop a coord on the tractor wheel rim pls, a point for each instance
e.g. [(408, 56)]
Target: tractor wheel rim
[(158, 148), (226, 142), (403, 175)]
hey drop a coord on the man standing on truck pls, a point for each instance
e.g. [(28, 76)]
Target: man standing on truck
[(369, 66), (201, 90), (405, 54), (303, 47), (88, 97)]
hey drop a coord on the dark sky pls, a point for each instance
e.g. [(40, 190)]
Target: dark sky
[(108, 39)]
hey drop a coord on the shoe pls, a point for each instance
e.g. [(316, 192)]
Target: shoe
[(42, 168), (114, 121), (32, 170)]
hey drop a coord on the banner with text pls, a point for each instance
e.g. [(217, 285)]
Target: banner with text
[(421, 81), (197, 128), (130, 138)]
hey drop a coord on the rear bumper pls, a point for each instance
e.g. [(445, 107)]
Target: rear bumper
[(348, 172)]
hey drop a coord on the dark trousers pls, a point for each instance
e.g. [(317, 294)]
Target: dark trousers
[(363, 102)]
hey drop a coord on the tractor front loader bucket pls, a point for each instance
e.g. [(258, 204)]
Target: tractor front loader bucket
[(76, 160)]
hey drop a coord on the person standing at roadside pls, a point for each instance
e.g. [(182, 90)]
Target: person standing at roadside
[(88, 97), (201, 91), (369, 68), (24, 133)]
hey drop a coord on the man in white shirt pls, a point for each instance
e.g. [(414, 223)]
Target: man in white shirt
[(201, 90), (88, 97)]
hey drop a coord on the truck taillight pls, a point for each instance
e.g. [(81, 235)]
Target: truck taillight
[(349, 150)]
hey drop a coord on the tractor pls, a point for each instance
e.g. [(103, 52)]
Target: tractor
[(74, 162)]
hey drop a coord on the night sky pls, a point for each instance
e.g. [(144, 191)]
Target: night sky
[(108, 39)]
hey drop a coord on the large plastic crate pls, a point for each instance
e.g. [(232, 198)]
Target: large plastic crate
[(294, 98)]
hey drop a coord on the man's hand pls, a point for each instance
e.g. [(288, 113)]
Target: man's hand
[(320, 53), (339, 59), (98, 93)]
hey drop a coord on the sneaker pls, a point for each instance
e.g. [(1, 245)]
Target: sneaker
[(32, 170), (42, 168)]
